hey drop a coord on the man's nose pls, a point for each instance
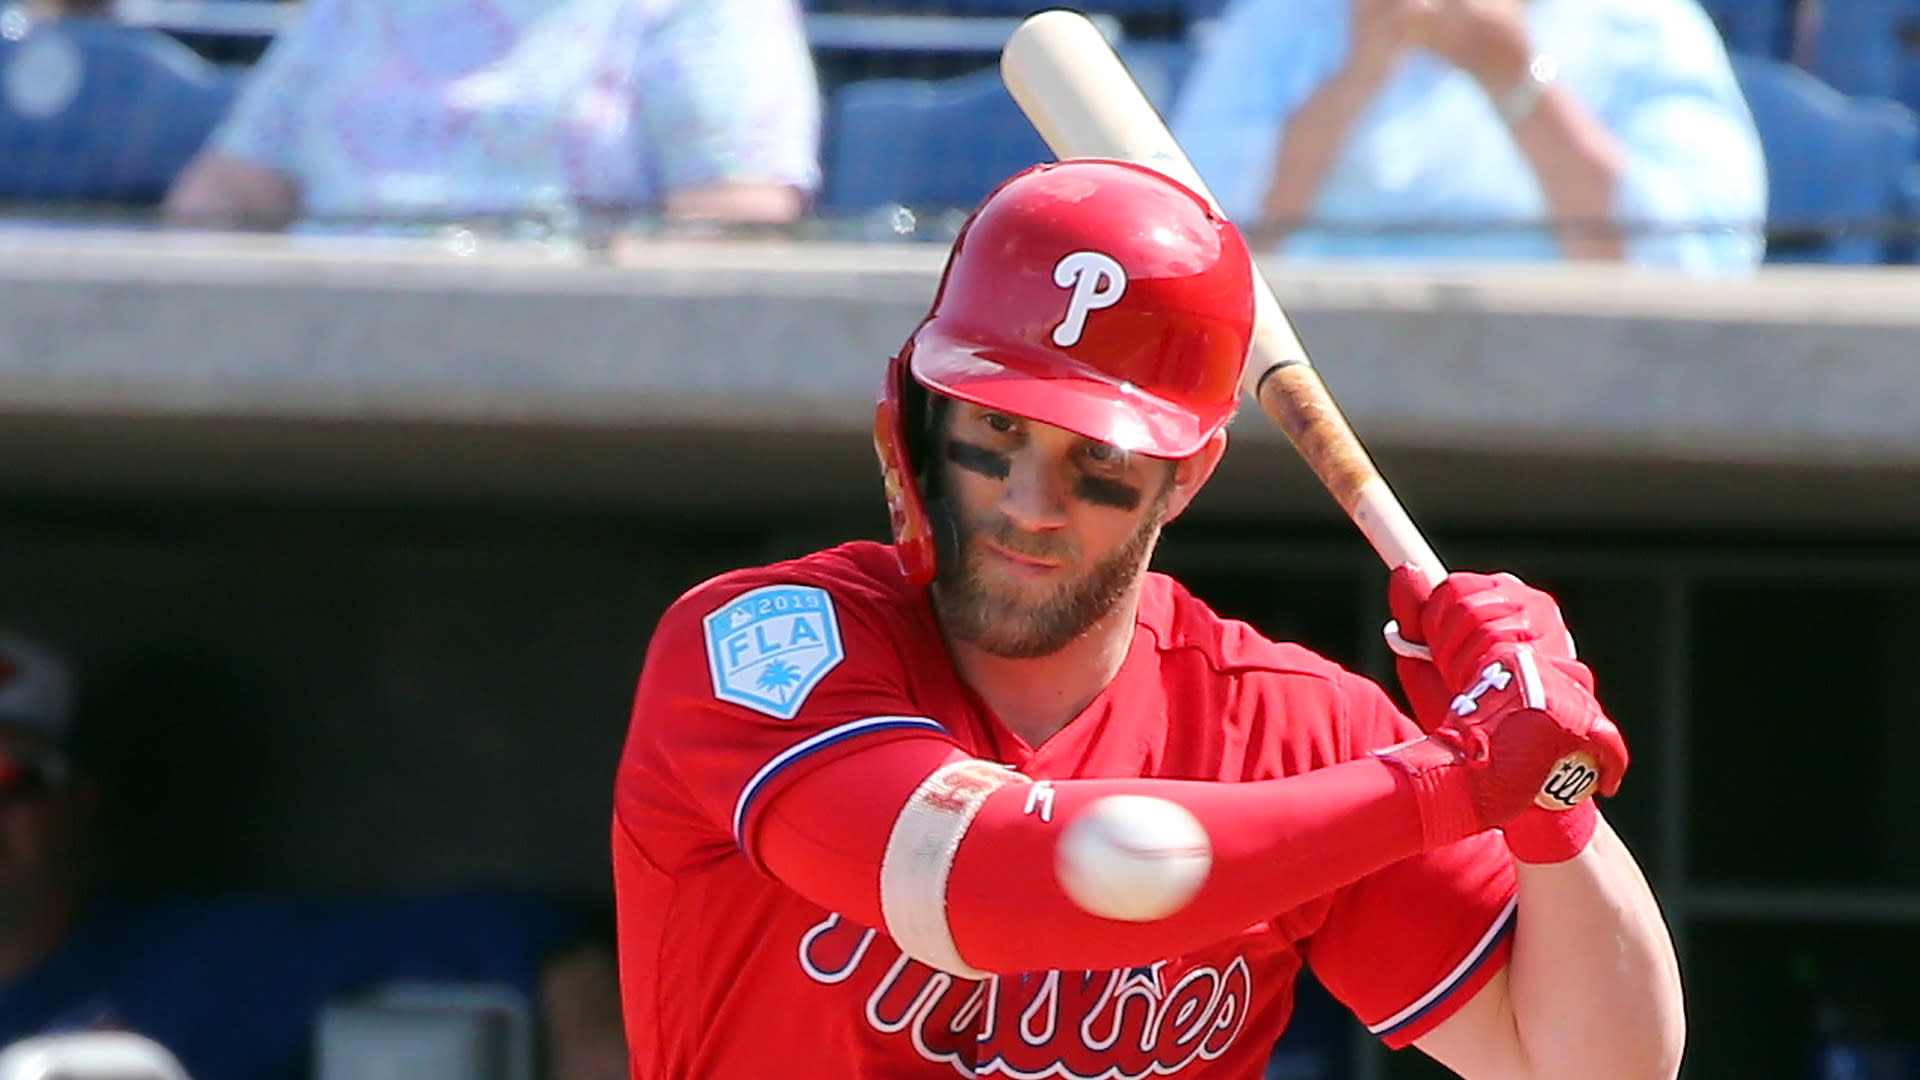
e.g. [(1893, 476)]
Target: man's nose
[(1034, 498)]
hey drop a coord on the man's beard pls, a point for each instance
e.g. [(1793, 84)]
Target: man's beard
[(999, 620)]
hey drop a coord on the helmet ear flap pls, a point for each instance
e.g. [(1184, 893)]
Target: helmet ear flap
[(906, 438), (921, 414), (926, 457)]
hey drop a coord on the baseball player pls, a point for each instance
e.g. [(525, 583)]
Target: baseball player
[(838, 812)]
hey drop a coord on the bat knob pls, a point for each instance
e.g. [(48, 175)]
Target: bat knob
[(1570, 782)]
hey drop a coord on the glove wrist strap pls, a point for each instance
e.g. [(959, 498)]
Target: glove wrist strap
[(1541, 836), (1441, 789)]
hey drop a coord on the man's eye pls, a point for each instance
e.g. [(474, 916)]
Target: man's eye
[(999, 422), (1104, 458)]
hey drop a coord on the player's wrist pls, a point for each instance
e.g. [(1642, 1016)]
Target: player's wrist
[(1540, 836), (1435, 772)]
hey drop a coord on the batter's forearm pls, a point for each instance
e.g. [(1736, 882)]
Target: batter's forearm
[(965, 877), (1594, 983)]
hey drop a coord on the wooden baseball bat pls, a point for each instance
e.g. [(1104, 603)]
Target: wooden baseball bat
[(1081, 99)]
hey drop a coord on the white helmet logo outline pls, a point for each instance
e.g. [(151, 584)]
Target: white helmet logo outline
[(1097, 280)]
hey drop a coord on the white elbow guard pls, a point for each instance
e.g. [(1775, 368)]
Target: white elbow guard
[(920, 852)]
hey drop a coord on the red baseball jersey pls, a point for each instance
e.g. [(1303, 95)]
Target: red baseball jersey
[(757, 676)]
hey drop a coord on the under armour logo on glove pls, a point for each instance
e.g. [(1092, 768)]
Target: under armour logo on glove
[(1494, 676), (1098, 281)]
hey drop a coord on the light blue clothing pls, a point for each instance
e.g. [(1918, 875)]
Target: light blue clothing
[(1431, 150), (389, 108)]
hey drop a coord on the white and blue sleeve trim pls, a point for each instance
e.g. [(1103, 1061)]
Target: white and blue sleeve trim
[(1455, 979), (814, 744)]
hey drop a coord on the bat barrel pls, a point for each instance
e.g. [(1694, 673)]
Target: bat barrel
[(1065, 76)]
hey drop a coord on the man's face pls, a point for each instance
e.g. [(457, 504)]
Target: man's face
[(1054, 529)]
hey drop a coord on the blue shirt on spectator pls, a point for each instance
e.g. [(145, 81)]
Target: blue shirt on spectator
[(383, 110), (233, 987), (1432, 150)]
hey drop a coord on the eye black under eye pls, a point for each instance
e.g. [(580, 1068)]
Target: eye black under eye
[(979, 459), (1102, 491)]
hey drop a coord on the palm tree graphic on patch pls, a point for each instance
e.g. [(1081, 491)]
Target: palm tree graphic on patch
[(779, 678)]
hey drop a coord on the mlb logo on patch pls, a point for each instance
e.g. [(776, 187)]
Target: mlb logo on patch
[(767, 649)]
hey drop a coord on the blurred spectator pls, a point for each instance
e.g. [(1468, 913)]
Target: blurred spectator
[(1518, 129), (436, 110), (69, 9), (234, 986)]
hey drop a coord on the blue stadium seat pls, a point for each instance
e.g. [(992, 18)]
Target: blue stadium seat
[(1839, 169), (1753, 27), (91, 111), (1868, 47), (924, 143)]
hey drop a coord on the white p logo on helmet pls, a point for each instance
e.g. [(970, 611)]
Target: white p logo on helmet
[(1098, 281)]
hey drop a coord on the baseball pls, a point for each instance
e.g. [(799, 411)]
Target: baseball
[(1133, 857)]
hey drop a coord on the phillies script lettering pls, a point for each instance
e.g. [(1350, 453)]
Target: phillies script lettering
[(1125, 1024)]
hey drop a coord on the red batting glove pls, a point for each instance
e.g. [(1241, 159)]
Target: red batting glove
[(1470, 615), (1436, 637), (1507, 736)]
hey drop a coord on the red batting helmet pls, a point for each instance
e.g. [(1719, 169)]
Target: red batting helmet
[(1097, 296)]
